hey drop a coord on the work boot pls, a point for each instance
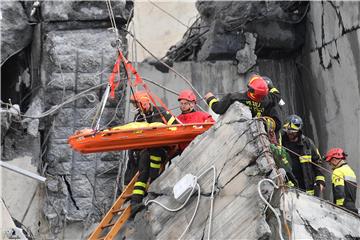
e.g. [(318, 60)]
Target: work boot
[(136, 207)]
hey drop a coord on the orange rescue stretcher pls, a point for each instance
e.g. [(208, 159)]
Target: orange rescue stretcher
[(90, 141)]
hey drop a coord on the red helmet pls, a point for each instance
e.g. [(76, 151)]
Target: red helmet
[(140, 96), (143, 100), (257, 88), (187, 94), (335, 153)]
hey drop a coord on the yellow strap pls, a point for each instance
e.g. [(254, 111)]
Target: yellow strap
[(274, 90), (138, 192), (140, 184), (171, 120), (155, 165), (212, 102), (340, 201), (310, 192), (305, 159), (155, 158), (320, 178)]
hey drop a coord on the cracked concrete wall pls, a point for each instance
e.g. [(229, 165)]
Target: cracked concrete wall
[(80, 188), (74, 53), (331, 76)]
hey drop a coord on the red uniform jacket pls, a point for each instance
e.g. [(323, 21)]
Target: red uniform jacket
[(194, 117)]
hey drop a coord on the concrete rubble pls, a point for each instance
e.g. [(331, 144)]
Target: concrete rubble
[(73, 45), (313, 218), (238, 148), (221, 30), (309, 59)]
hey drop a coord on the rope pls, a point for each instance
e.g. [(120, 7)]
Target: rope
[(159, 85), (321, 167), (197, 203), (166, 65), (269, 205), (54, 108), (194, 214)]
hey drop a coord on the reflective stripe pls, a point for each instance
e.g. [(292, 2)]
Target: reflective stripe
[(290, 184), (140, 184), (155, 158), (338, 181), (350, 178), (310, 192), (274, 90), (280, 140), (155, 165), (340, 201), (305, 159), (285, 161), (212, 102), (172, 128), (320, 178), (291, 126), (171, 120), (138, 192)]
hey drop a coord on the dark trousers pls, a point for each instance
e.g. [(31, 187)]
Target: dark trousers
[(132, 166), (149, 165)]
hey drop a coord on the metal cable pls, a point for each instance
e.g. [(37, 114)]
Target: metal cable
[(169, 14), (166, 65), (321, 167)]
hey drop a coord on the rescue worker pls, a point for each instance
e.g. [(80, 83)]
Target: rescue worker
[(149, 160), (302, 153), (187, 102), (257, 98), (343, 179), (276, 97)]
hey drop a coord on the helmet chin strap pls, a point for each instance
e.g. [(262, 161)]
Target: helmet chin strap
[(190, 110), (333, 166)]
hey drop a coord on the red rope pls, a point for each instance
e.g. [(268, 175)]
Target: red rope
[(138, 82)]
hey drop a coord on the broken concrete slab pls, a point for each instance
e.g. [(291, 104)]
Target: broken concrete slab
[(246, 56), (232, 145), (16, 33), (313, 218)]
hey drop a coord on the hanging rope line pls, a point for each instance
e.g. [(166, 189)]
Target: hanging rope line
[(169, 14), (321, 167), (129, 69), (166, 65)]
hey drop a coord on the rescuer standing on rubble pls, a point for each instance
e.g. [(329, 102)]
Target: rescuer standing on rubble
[(187, 102), (343, 179), (302, 153), (257, 98), (149, 160)]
